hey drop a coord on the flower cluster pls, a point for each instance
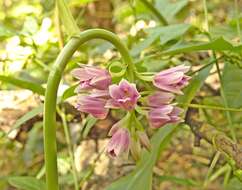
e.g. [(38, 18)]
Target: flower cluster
[(97, 95), (168, 81)]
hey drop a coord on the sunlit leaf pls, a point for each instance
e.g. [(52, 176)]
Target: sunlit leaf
[(5, 32), (67, 18)]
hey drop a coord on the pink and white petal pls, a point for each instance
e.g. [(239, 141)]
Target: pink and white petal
[(173, 89), (111, 103), (115, 92)]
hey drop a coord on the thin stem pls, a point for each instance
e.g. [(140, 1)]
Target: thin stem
[(205, 66), (236, 7), (51, 94), (222, 91), (69, 146), (210, 107), (206, 15), (213, 164), (154, 11)]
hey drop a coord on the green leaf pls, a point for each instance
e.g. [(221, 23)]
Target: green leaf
[(36, 88), (26, 183), (219, 44), (91, 121), (165, 33), (141, 177), (67, 18), (69, 92), (5, 32), (177, 180), (29, 115), (48, 4), (33, 143), (234, 184), (194, 86), (232, 83), (170, 8)]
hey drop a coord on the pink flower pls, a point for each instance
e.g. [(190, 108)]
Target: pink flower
[(162, 115), (172, 80), (124, 95), (92, 77), (160, 98), (120, 141), (92, 105)]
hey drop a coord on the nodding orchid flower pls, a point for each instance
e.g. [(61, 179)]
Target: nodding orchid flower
[(173, 79), (124, 95), (92, 77), (119, 142)]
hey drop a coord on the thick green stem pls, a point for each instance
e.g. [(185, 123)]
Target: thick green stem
[(51, 94)]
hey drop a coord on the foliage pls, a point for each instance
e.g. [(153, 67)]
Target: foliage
[(159, 34)]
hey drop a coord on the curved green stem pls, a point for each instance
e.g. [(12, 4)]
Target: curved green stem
[(51, 94)]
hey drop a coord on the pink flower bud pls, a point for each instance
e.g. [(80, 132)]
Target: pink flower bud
[(144, 139), (93, 106), (92, 77), (160, 98), (119, 142), (135, 149), (158, 117), (172, 80), (124, 95)]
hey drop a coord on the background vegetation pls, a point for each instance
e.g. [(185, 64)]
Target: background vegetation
[(159, 33)]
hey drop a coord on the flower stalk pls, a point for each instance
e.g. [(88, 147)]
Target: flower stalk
[(51, 93)]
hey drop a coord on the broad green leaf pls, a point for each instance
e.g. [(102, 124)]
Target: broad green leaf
[(165, 33), (26, 183), (29, 115), (170, 8), (194, 86), (219, 44), (177, 180), (141, 177), (91, 121), (232, 83), (67, 18), (36, 88)]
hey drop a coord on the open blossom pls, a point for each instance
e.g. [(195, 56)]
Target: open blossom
[(120, 141), (92, 105), (92, 77), (159, 98), (124, 95), (162, 115), (173, 79)]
